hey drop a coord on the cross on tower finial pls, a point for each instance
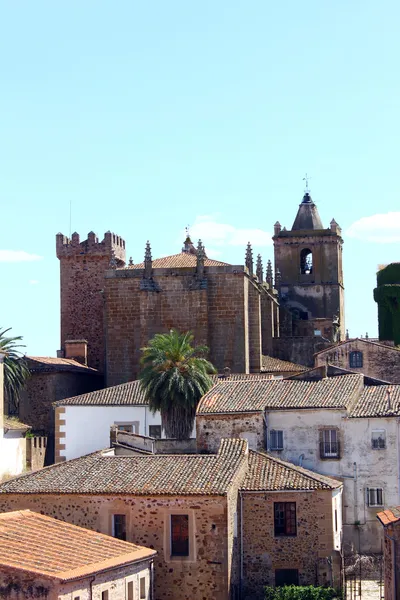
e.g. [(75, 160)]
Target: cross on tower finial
[(187, 231), (307, 179)]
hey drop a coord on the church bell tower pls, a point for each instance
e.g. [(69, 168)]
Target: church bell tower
[(308, 261)]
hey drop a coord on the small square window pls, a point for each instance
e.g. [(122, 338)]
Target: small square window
[(119, 527), (155, 431), (142, 586), (127, 428), (375, 496), (276, 440), (378, 439), (285, 519), (286, 577)]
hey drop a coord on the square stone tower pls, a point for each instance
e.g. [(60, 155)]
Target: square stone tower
[(309, 274)]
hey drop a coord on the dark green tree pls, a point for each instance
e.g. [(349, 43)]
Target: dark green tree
[(16, 371), (175, 375)]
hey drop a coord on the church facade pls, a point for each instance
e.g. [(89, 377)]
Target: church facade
[(238, 311)]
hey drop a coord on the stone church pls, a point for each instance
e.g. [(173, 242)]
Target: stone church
[(241, 312)]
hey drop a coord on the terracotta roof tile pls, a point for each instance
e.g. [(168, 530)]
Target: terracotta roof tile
[(352, 340), (50, 363), (43, 545), (14, 424), (374, 402), (181, 260), (270, 364), (138, 475), (391, 515), (254, 396), (132, 393), (267, 473)]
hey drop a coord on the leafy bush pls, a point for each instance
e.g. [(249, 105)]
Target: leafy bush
[(299, 592)]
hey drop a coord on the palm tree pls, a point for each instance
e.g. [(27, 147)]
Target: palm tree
[(16, 370), (175, 376)]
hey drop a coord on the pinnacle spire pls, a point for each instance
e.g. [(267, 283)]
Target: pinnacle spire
[(148, 261), (249, 258), (259, 269), (269, 277)]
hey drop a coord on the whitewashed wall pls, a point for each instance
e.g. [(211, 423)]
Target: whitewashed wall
[(87, 428), (13, 454), (360, 466)]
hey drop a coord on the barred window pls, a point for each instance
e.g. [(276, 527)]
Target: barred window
[(378, 439), (285, 518), (276, 440)]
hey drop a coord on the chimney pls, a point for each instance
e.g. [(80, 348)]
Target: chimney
[(389, 399), (76, 350)]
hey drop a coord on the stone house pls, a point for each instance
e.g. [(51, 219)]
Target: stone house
[(336, 426), (362, 355), (196, 512), (124, 406), (49, 559), (390, 522)]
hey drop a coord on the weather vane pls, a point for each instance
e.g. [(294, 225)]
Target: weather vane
[(307, 179), (187, 231)]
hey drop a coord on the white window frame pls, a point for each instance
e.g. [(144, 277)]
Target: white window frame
[(133, 424), (370, 492), (383, 437), (274, 433), (327, 440)]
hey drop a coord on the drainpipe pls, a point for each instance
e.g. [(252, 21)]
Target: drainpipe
[(394, 561), (266, 430), (91, 587), (152, 580), (355, 492), (241, 546)]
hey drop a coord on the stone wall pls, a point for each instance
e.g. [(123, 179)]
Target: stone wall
[(210, 429), (299, 350), (35, 452), (379, 360), (391, 549), (205, 574), (263, 553), (82, 267), (19, 585)]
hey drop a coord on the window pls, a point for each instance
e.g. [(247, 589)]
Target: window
[(119, 527), (375, 496), (379, 439), (155, 431), (285, 518), (276, 440), (104, 595), (129, 590), (356, 359), (306, 262), (180, 535), (142, 588), (336, 520), (286, 577), (329, 443), (77, 598), (127, 428)]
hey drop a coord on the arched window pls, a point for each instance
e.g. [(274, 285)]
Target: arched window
[(356, 359), (306, 262)]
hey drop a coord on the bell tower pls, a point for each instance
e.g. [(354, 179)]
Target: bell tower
[(309, 260)]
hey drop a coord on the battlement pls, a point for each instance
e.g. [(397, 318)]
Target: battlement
[(111, 243)]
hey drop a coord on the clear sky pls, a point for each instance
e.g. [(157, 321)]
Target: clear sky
[(148, 116)]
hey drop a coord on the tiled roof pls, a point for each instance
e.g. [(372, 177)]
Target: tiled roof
[(374, 402), (132, 393), (267, 473), (176, 261), (253, 396), (271, 365), (391, 515), (14, 424), (352, 340), (50, 363), (138, 475), (46, 546)]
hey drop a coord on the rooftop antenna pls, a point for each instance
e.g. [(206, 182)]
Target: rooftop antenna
[(307, 179), (70, 217)]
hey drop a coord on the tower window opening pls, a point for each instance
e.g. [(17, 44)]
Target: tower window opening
[(306, 262)]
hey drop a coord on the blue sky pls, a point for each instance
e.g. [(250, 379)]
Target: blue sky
[(150, 116)]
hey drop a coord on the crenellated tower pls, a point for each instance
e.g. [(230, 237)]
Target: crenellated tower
[(82, 269), (308, 259)]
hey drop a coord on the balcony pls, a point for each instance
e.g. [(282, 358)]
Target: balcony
[(329, 450)]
